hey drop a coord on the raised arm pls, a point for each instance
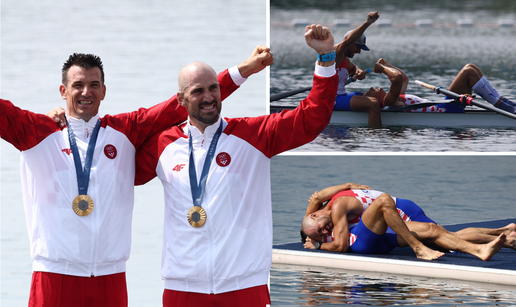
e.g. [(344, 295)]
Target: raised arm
[(397, 77), (260, 58), (355, 34), (321, 40)]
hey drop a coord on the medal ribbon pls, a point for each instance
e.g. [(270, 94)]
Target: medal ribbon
[(198, 191), (83, 177)]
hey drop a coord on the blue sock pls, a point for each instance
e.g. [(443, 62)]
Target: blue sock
[(506, 107), (509, 102)]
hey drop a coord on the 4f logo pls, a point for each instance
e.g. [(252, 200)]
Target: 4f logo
[(178, 167), (67, 151)]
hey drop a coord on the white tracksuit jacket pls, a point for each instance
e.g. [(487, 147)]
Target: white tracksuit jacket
[(61, 241), (233, 250)]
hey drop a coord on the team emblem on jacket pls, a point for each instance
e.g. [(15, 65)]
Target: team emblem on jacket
[(110, 151), (223, 159)]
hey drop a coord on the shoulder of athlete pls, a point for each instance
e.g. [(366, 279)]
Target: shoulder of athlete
[(345, 206)]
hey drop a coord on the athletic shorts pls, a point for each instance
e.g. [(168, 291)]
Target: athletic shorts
[(250, 297), (342, 102), (368, 242), (58, 290)]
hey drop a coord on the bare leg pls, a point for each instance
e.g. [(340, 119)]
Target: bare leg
[(382, 213), (485, 235), (467, 77), (367, 104), (436, 234)]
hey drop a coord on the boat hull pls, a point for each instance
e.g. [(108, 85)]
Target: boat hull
[(471, 118)]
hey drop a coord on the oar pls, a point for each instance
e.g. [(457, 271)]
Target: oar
[(279, 96), (290, 93), (469, 100)]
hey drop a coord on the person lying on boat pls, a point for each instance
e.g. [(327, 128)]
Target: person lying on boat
[(470, 79), (372, 222), (354, 42)]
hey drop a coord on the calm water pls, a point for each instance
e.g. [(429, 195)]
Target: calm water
[(451, 190), (434, 55)]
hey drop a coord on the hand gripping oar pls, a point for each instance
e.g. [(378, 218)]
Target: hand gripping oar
[(466, 99), (279, 96)]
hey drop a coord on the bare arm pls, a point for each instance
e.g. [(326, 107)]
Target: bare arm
[(355, 34), (317, 198), (339, 216), (398, 84)]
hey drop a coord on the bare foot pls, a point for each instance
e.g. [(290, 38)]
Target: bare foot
[(490, 249), (426, 253), (510, 242), (511, 227)]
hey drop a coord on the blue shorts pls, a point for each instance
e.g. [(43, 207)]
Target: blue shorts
[(342, 101), (368, 242)]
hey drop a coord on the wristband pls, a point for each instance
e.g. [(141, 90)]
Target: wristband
[(326, 57)]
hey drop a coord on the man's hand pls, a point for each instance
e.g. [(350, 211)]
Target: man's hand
[(58, 115), (379, 68), (308, 244), (319, 38), (372, 17), (314, 197), (257, 61), (356, 186)]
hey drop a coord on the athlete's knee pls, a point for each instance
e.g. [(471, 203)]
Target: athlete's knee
[(470, 68), (385, 201)]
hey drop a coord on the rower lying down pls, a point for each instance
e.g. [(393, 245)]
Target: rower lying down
[(352, 217), (470, 79)]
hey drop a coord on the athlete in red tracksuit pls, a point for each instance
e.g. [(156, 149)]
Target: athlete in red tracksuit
[(228, 258)]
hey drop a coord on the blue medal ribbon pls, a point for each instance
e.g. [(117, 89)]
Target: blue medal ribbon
[(198, 190), (83, 177)]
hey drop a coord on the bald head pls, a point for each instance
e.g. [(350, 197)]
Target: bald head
[(190, 72), (199, 93), (308, 226)]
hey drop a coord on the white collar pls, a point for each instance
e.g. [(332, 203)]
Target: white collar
[(209, 131)]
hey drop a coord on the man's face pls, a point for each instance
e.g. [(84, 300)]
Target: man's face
[(377, 93), (321, 225), (354, 49), (83, 92), (202, 99)]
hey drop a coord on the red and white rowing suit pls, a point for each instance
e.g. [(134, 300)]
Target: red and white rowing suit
[(413, 99)]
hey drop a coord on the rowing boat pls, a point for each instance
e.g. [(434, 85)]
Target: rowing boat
[(500, 269), (470, 118)]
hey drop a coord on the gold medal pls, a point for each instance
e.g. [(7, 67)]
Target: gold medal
[(82, 205), (196, 216)]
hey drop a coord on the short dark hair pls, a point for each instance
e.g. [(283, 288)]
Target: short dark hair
[(303, 236), (86, 61)]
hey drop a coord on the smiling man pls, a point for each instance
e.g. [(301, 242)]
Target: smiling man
[(78, 183), (217, 242)]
